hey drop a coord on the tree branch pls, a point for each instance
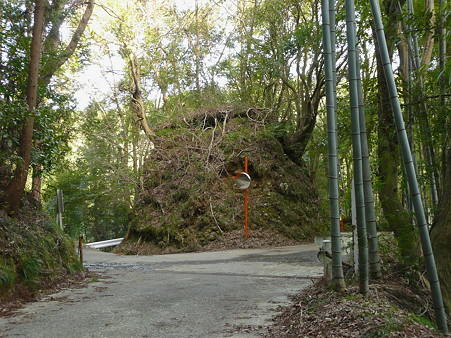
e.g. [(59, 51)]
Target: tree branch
[(53, 65)]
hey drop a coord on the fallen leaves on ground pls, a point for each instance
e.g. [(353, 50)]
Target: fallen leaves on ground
[(391, 310)]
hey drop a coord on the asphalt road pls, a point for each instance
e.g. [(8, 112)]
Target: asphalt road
[(212, 294)]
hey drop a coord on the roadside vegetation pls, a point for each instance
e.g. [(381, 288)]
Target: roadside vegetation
[(35, 255)]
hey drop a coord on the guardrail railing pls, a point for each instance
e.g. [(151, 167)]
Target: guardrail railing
[(104, 244)]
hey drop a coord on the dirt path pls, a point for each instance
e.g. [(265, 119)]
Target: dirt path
[(209, 294)]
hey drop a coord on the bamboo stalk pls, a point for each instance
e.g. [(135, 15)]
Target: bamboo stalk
[(357, 150), (337, 267), (371, 228), (410, 171)]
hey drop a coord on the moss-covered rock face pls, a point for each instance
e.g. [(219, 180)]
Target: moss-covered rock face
[(33, 251), (189, 196)]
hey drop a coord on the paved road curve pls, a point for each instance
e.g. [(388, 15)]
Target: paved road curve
[(212, 294)]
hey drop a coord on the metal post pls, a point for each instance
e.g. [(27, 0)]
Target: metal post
[(80, 248), (246, 203), (60, 208)]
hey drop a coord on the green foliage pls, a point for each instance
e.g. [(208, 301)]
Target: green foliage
[(13, 79), (7, 273), (98, 184), (385, 330), (279, 130), (421, 320), (394, 325), (53, 121), (53, 130), (53, 117), (93, 205), (30, 255), (30, 269)]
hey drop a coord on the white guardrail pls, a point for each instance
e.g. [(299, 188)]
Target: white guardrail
[(104, 244)]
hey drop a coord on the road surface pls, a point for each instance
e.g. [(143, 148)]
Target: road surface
[(212, 294)]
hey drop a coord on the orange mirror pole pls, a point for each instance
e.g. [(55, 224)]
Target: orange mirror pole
[(246, 204)]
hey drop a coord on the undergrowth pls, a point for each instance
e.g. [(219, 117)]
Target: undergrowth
[(33, 252)]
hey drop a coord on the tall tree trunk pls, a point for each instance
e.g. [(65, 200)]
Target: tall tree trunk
[(334, 214), (294, 145), (50, 46), (357, 149), (17, 185), (441, 229), (389, 156)]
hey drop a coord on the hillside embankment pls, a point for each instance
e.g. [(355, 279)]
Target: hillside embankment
[(34, 253), (189, 200)]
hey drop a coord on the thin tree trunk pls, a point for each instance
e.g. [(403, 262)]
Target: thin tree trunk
[(197, 55), (137, 99), (36, 183), (17, 185), (409, 99)]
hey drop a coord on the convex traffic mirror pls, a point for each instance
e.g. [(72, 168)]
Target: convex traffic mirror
[(243, 181)]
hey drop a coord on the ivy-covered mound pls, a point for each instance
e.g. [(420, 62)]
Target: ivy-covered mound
[(189, 199), (34, 253)]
